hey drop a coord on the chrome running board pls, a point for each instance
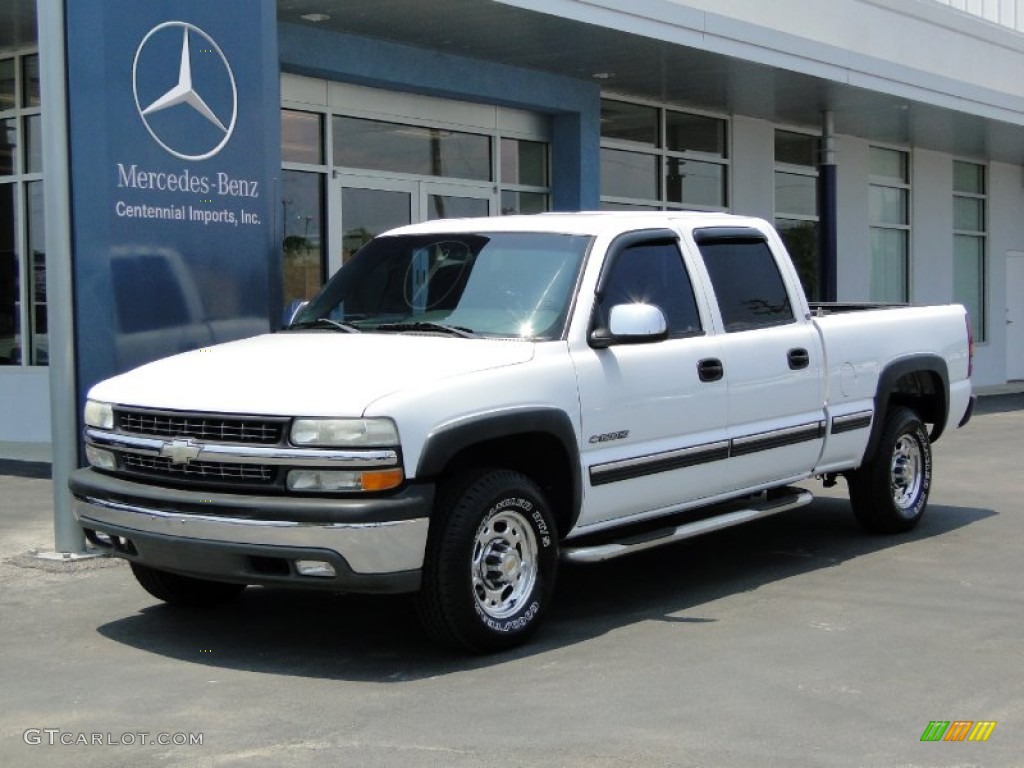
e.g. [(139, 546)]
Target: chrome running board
[(639, 542)]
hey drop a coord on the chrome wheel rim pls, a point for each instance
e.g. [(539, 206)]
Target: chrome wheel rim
[(504, 564), (906, 476)]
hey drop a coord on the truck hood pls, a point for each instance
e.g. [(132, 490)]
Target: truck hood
[(309, 374)]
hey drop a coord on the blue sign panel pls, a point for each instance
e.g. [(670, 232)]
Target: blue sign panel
[(175, 158)]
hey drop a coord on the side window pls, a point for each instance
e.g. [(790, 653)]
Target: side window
[(652, 273), (750, 290)]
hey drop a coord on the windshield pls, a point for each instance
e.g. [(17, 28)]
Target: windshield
[(497, 284)]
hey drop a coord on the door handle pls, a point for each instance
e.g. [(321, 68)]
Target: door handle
[(798, 358), (710, 369)]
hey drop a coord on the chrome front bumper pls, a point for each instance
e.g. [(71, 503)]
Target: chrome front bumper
[(257, 543)]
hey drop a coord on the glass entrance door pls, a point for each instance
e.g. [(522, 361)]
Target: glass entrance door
[(370, 206)]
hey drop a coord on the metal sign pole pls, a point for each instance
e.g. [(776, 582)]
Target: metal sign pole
[(68, 538)]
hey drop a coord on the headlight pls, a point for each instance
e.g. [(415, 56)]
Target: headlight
[(99, 415), (345, 433)]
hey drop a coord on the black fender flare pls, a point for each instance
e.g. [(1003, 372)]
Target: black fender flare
[(887, 386), (443, 444)]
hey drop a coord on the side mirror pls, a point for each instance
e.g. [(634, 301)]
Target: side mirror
[(631, 324)]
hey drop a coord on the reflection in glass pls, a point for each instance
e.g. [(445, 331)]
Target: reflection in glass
[(629, 174), (796, 194), (500, 284), (30, 78), (37, 277), (629, 122), (695, 183), (796, 148), (7, 85), (366, 213), (887, 205), (10, 321), (968, 177), (302, 200), (301, 137), (889, 164), (381, 146), (889, 264), (523, 202), (694, 133), (969, 279), (969, 214), (8, 146), (33, 144), (453, 207), (524, 162), (801, 240)]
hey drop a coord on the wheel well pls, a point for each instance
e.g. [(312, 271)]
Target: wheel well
[(924, 393), (538, 455)]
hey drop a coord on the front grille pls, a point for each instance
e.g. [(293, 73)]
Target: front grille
[(207, 427), (199, 471)]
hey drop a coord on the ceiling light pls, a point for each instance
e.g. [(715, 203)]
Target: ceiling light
[(316, 18)]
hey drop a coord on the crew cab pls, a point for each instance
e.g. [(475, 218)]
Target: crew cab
[(468, 402)]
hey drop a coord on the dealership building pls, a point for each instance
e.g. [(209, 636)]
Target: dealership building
[(177, 173)]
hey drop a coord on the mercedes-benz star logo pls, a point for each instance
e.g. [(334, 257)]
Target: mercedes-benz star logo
[(184, 94), (180, 451)]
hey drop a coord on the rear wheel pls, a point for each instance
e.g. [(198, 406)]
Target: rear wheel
[(184, 591), (490, 564), (890, 492)]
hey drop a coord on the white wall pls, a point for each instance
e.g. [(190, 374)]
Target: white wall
[(854, 246), (753, 167), (931, 237), (958, 46)]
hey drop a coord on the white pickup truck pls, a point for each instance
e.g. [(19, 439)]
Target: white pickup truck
[(467, 402)]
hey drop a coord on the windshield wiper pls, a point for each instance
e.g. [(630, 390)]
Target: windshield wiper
[(424, 325), (324, 322)]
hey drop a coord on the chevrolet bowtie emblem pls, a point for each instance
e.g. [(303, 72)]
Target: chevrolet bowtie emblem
[(180, 451)]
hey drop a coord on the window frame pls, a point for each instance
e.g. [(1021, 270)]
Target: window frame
[(665, 156), (906, 187), (980, 329), (21, 181)]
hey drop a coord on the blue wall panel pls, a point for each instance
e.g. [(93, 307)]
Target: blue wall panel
[(174, 121)]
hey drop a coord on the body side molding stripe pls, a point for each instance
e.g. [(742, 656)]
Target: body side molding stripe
[(652, 464), (851, 422), (778, 438), (627, 469)]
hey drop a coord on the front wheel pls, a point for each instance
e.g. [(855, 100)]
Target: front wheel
[(889, 493), (490, 564)]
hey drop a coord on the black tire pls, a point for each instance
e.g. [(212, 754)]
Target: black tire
[(184, 591), (491, 561), (889, 492)]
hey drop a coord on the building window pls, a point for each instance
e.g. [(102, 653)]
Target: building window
[(969, 230), (23, 332), (393, 172), (657, 158), (525, 176), (889, 218), (302, 200), (796, 203)]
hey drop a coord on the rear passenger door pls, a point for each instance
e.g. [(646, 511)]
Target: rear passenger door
[(772, 358)]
